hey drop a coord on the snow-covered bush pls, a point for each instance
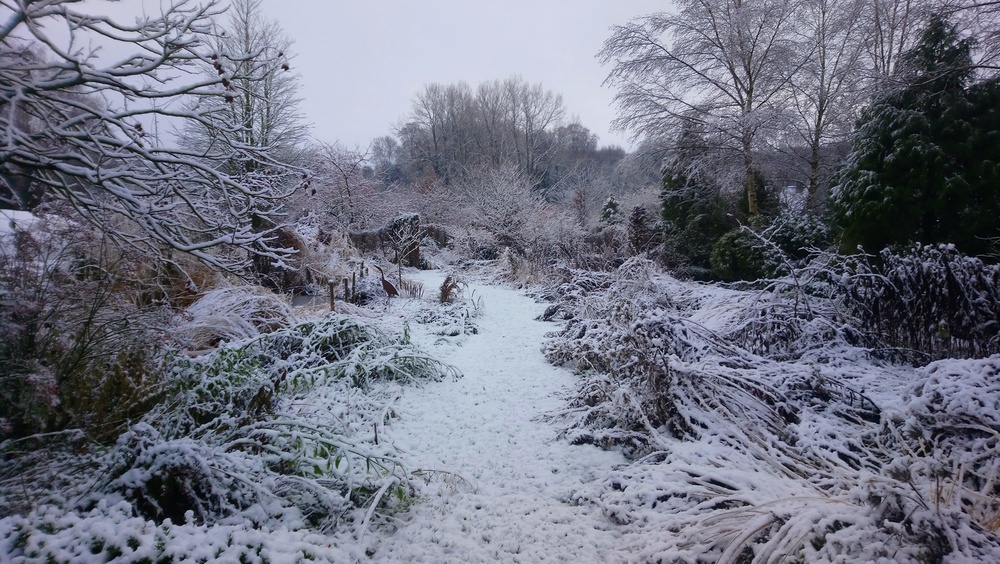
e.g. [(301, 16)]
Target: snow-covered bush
[(328, 249), (277, 432), (742, 255), (798, 235), (930, 301), (232, 314), (78, 330), (450, 289), (227, 436), (505, 204), (649, 370)]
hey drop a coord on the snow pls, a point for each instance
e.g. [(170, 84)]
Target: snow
[(499, 484), (502, 461)]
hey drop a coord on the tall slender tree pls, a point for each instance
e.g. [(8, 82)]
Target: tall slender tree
[(251, 54), (725, 64), (829, 86)]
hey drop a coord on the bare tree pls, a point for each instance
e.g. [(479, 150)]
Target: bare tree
[(252, 55), (494, 139), (443, 116), (78, 126), (385, 159), (723, 63), (894, 26), (981, 19), (830, 86), (450, 130), (343, 192), (533, 111)]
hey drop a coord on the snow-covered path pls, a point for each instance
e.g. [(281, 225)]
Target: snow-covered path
[(500, 486)]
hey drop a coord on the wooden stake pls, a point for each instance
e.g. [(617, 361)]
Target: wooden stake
[(333, 291)]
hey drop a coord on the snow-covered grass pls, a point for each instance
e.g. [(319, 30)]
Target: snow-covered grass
[(799, 446)]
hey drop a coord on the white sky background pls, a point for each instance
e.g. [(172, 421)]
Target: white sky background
[(362, 62)]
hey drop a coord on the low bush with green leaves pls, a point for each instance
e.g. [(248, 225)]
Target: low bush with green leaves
[(742, 255), (280, 430)]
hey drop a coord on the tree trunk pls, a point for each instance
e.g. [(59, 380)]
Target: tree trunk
[(751, 182)]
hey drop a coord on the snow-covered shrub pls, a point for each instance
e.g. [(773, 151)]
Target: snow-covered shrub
[(649, 370), (930, 301), (797, 235), (328, 249), (77, 332), (278, 433), (341, 348), (228, 439), (797, 314), (505, 204), (452, 320), (449, 290), (611, 212), (567, 289), (524, 269)]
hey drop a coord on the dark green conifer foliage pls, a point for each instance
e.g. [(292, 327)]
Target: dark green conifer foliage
[(611, 211), (924, 167)]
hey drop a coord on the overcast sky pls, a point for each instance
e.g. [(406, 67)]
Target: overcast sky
[(362, 62)]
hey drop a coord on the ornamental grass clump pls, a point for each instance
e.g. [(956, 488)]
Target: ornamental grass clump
[(763, 427)]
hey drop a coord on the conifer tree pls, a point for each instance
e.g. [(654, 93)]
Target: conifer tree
[(611, 212), (925, 165)]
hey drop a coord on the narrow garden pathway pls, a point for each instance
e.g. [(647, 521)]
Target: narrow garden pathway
[(499, 486)]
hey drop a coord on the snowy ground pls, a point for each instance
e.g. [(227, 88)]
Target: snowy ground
[(495, 484), (499, 486)]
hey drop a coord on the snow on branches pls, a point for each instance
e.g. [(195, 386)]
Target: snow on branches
[(79, 126)]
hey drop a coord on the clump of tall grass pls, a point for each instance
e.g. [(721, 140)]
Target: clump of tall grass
[(753, 450)]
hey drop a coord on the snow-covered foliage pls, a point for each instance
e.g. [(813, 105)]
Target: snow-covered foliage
[(932, 301), (234, 412), (505, 205), (279, 432), (231, 314), (798, 446), (78, 322), (112, 533)]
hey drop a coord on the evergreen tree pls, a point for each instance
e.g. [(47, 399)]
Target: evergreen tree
[(924, 165), (641, 232), (611, 212)]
